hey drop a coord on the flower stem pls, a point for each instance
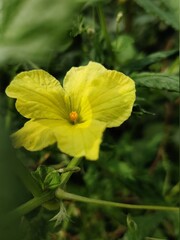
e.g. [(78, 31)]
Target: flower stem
[(27, 207), (104, 27), (61, 194), (65, 176)]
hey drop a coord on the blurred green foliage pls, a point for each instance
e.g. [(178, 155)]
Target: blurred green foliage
[(139, 160)]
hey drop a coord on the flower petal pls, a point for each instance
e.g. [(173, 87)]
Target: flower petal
[(77, 140), (77, 80), (34, 136), (39, 95), (111, 96), (80, 139)]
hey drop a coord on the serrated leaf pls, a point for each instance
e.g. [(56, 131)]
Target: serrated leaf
[(157, 81), (150, 59), (161, 10)]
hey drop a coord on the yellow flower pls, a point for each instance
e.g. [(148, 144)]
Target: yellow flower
[(75, 116)]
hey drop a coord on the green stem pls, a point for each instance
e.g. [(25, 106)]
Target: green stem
[(30, 205), (104, 27), (65, 176), (61, 194), (40, 198)]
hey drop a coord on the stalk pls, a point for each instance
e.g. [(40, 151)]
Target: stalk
[(61, 194), (65, 176)]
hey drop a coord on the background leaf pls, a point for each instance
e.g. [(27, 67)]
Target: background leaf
[(140, 64), (157, 81), (164, 11), (34, 29)]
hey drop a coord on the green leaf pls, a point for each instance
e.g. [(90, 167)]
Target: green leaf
[(173, 6), (123, 47), (166, 12), (150, 59), (132, 233), (148, 225), (157, 81), (47, 177), (52, 180), (24, 34)]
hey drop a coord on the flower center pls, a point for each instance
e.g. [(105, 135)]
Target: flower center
[(73, 116)]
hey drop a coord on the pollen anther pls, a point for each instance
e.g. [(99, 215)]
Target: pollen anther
[(73, 116)]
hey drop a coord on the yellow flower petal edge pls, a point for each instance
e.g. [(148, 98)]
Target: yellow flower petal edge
[(34, 136), (75, 116), (38, 94)]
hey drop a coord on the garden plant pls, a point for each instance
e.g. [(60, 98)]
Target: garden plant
[(89, 100)]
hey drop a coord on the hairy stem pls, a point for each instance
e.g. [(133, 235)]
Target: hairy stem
[(70, 196)]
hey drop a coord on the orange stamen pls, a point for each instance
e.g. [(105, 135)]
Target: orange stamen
[(73, 116)]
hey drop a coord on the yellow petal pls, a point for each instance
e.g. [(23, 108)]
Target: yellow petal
[(39, 95), (77, 80), (80, 139), (34, 136), (111, 96), (76, 140)]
